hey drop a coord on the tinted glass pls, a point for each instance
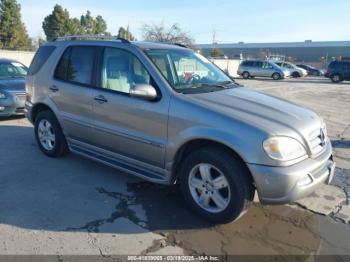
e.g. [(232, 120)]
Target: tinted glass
[(333, 64), (121, 70), (61, 69), (346, 66), (76, 65), (40, 58), (258, 64), (12, 70), (247, 63)]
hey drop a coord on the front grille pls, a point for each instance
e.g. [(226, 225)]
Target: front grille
[(317, 140)]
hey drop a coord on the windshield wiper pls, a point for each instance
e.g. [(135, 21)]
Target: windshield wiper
[(220, 85)]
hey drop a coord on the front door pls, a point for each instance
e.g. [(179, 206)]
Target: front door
[(132, 128)]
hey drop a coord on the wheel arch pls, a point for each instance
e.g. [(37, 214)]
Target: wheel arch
[(197, 143), (37, 108)]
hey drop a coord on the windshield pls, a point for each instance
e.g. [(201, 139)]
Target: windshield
[(12, 70), (188, 71)]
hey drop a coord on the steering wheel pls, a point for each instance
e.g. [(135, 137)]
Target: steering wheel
[(193, 77)]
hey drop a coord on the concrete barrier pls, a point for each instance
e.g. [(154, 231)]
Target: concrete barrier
[(21, 56)]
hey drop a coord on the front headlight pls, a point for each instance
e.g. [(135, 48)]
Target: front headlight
[(2, 95), (283, 148)]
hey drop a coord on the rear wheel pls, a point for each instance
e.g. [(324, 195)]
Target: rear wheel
[(276, 76), (336, 78), (49, 135), (216, 185), (246, 75)]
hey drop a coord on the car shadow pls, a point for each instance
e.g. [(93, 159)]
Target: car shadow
[(7, 118), (76, 194)]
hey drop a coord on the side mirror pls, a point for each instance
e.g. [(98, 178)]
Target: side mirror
[(144, 91)]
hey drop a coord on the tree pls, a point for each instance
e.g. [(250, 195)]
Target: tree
[(125, 33), (216, 52), (88, 23), (13, 34), (100, 26), (173, 34), (57, 23), (75, 27)]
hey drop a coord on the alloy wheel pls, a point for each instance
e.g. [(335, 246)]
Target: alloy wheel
[(209, 188)]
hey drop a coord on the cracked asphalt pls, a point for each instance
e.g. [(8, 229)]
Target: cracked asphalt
[(74, 206)]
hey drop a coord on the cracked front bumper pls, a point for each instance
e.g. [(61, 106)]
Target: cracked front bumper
[(281, 185)]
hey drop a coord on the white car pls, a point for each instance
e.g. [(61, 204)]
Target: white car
[(295, 71)]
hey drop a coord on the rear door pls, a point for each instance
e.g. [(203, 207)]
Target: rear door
[(72, 93), (346, 70), (256, 68)]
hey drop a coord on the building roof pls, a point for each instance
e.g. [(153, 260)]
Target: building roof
[(307, 43)]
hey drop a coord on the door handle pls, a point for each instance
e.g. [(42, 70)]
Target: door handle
[(54, 88), (101, 99)]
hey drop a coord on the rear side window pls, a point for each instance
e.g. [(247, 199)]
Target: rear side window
[(40, 58), (247, 63), (258, 64), (346, 66), (333, 65), (76, 65)]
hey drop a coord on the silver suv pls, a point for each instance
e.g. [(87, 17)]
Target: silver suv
[(166, 114), (252, 68)]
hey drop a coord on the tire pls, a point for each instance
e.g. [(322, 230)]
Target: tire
[(276, 76), (237, 194), (49, 135), (296, 74), (245, 75), (336, 78)]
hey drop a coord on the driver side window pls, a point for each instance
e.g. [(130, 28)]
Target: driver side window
[(121, 70)]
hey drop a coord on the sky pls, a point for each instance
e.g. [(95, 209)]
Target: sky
[(250, 21)]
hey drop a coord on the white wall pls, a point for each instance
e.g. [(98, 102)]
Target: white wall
[(21, 56), (228, 65)]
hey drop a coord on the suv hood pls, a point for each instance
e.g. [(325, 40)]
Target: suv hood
[(268, 113), (12, 85)]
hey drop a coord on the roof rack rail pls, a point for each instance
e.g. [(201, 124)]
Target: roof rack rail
[(181, 45), (88, 37)]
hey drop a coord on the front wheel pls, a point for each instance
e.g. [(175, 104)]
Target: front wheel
[(246, 75), (296, 74), (216, 185), (276, 76), (336, 78)]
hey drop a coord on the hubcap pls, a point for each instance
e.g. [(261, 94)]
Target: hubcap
[(209, 188), (46, 134), (336, 78)]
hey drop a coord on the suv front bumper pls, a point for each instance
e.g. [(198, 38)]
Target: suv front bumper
[(281, 185)]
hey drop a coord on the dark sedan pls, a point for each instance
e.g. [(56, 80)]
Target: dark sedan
[(12, 87), (312, 71)]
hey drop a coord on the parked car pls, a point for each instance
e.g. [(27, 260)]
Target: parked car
[(168, 115), (12, 87), (312, 71), (252, 68), (295, 71), (338, 71)]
